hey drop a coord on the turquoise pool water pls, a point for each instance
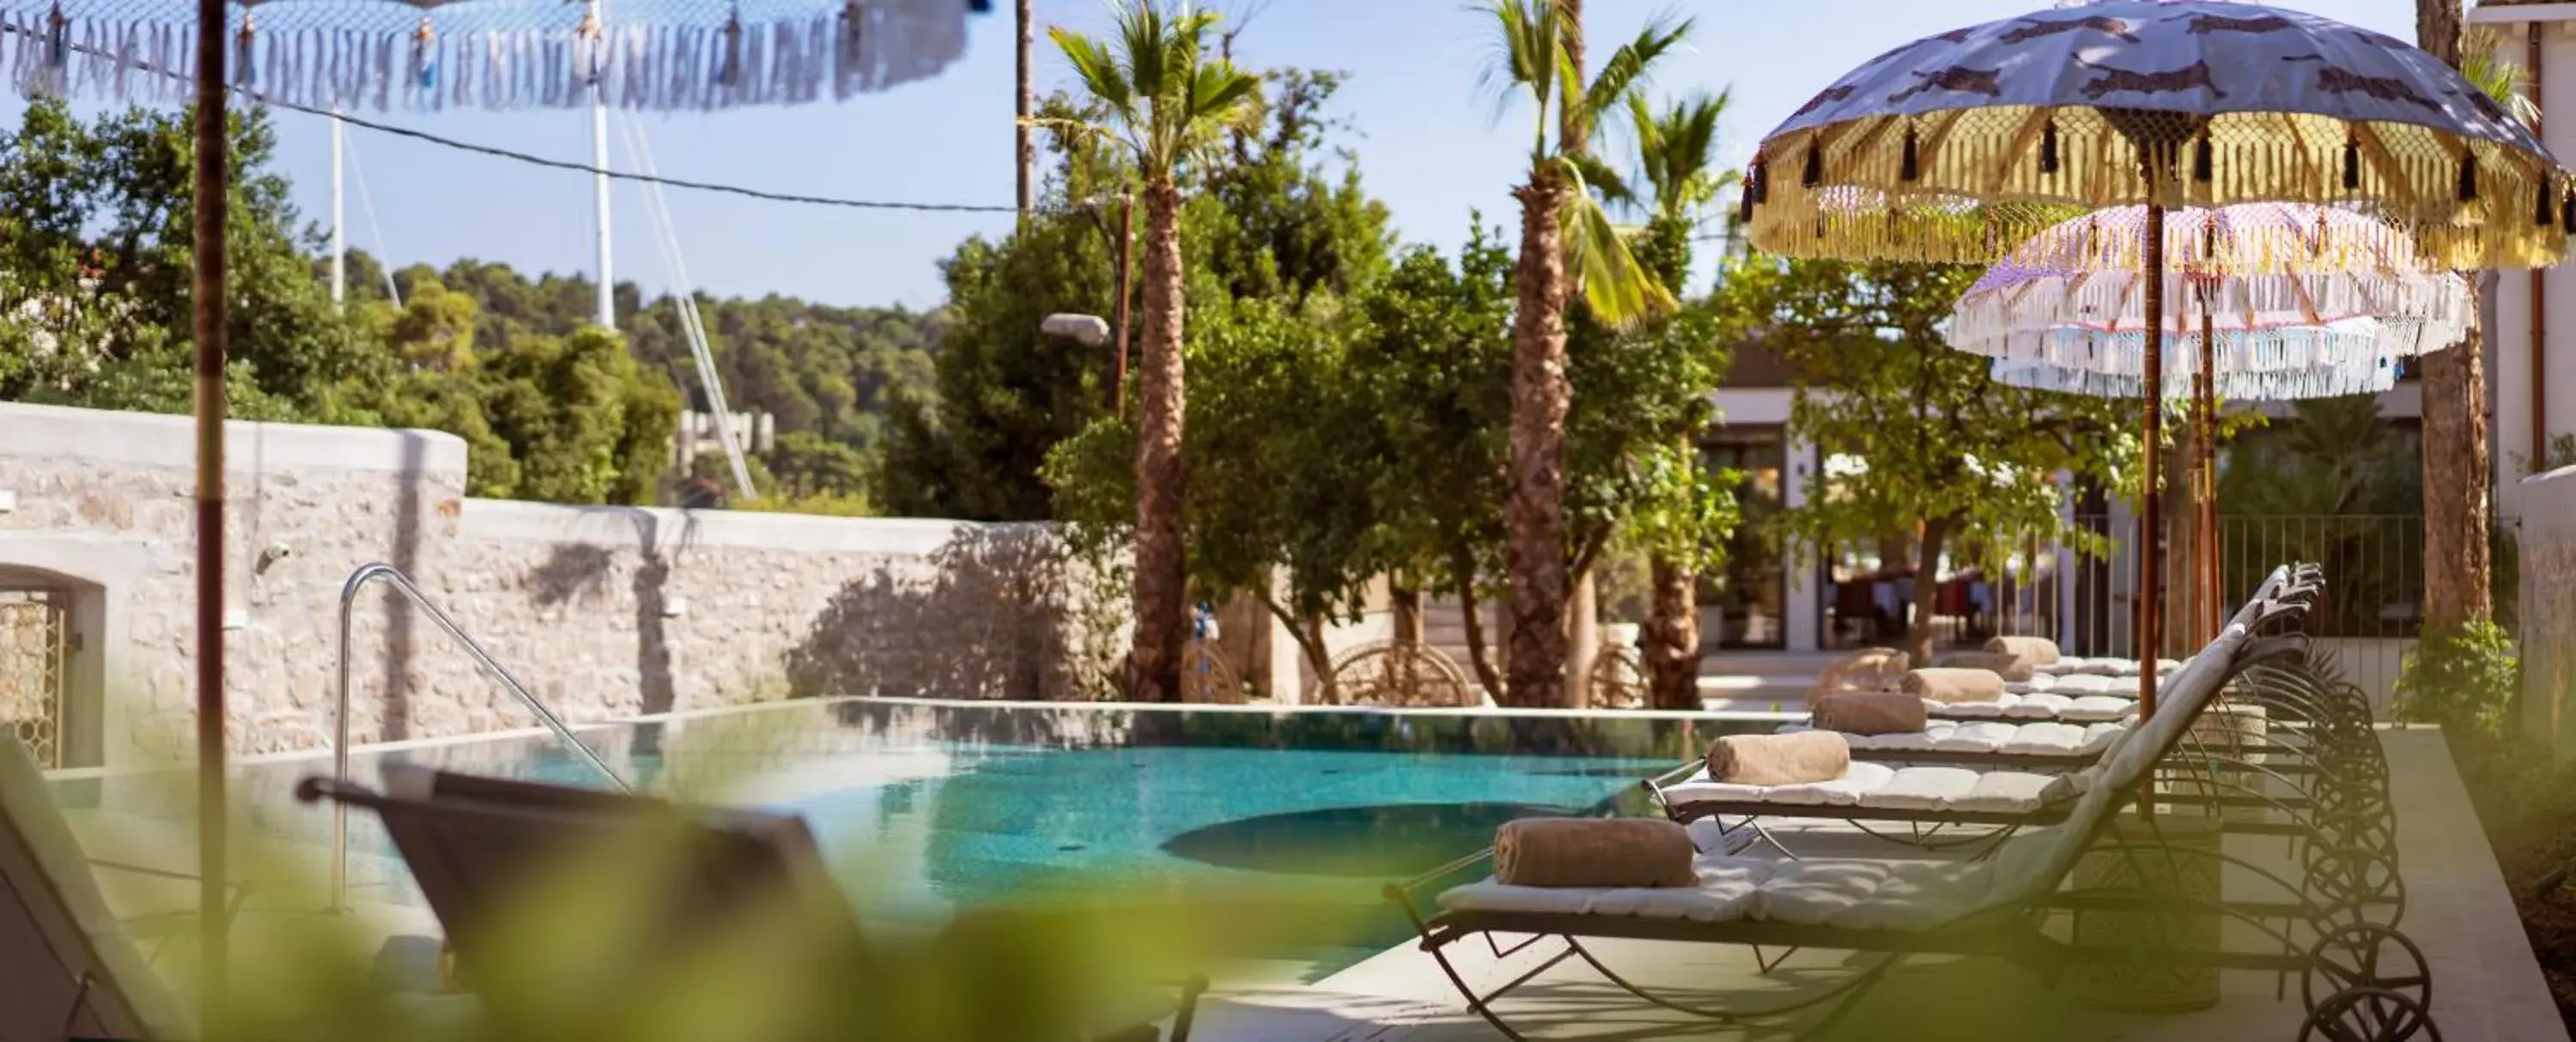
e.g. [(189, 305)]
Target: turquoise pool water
[(929, 808)]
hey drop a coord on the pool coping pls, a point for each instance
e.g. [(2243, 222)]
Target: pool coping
[(678, 716)]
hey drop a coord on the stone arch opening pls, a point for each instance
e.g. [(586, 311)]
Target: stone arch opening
[(52, 668)]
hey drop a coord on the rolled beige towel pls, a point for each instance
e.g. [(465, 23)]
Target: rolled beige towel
[(1872, 669), (1954, 685), (1594, 852), (1779, 759), (2039, 650), (2013, 668), (1870, 712)]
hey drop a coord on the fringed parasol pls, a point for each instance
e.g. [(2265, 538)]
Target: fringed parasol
[(1962, 146), (2274, 280)]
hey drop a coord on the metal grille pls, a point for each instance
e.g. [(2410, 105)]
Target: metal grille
[(35, 653)]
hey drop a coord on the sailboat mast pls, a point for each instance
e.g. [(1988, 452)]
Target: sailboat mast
[(607, 316)]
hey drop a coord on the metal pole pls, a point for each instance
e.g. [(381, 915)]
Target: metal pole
[(1126, 237), (339, 209), (607, 317), (2150, 504), (2205, 514), (210, 202)]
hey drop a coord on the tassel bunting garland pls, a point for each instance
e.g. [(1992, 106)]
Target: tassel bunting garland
[(2327, 381), (665, 56)]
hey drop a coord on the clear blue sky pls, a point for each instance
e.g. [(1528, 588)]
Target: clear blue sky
[(1428, 144)]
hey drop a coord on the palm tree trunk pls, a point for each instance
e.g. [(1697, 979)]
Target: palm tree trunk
[(1670, 643), (2457, 475), (1161, 587), (1026, 146), (1534, 552)]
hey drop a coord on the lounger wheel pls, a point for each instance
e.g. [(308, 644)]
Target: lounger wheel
[(2369, 1015), (2352, 877), (2363, 958)]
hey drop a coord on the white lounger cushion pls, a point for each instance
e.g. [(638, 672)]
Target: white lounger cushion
[(1841, 792), (2018, 739), (1851, 893), (2106, 667), (1878, 787), (2088, 709)]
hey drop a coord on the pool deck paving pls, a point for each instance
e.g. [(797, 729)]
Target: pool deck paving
[(2487, 986)]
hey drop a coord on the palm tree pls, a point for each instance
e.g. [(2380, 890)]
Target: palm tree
[(1563, 231), (2457, 476), (1676, 156), (1166, 102)]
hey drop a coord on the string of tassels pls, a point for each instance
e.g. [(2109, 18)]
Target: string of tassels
[(791, 59), (2359, 343)]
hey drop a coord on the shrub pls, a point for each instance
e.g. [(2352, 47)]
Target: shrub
[(2463, 680)]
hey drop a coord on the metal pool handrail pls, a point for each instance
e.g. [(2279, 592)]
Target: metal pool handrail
[(392, 576)]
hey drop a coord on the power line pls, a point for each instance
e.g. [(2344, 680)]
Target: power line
[(623, 175), (537, 160)]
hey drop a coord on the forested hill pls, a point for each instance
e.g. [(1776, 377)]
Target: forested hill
[(820, 370), (95, 276)]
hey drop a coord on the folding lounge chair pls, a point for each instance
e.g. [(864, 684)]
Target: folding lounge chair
[(1938, 795), (67, 969), (2359, 980), (474, 843)]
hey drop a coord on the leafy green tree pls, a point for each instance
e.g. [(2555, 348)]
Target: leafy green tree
[(586, 424), (1287, 434), (96, 240), (1562, 227), (1166, 101), (1433, 354), (1938, 443)]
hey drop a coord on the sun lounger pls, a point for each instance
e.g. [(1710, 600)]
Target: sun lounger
[(67, 967), (476, 844), (1999, 905), (2020, 791)]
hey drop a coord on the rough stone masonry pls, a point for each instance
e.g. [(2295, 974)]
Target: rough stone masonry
[(603, 612)]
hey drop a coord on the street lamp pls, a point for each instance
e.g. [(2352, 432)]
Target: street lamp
[(1092, 331), (1087, 330)]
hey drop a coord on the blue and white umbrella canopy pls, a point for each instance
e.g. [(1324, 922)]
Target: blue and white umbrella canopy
[(656, 55), (1958, 147)]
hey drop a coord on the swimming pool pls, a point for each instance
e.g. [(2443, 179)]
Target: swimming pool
[(928, 807)]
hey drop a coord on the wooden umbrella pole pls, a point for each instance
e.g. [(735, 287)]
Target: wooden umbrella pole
[(2150, 516), (2205, 478), (210, 204)]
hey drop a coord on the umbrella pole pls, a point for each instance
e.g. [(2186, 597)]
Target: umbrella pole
[(211, 201), (2205, 480), (2150, 518)]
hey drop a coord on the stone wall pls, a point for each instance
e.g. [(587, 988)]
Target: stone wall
[(2548, 608), (601, 611)]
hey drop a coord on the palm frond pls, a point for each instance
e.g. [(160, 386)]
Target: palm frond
[(1604, 181), (1628, 69), (1523, 55), (1618, 289), (1154, 79), (1098, 70), (1220, 90), (2504, 81)]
